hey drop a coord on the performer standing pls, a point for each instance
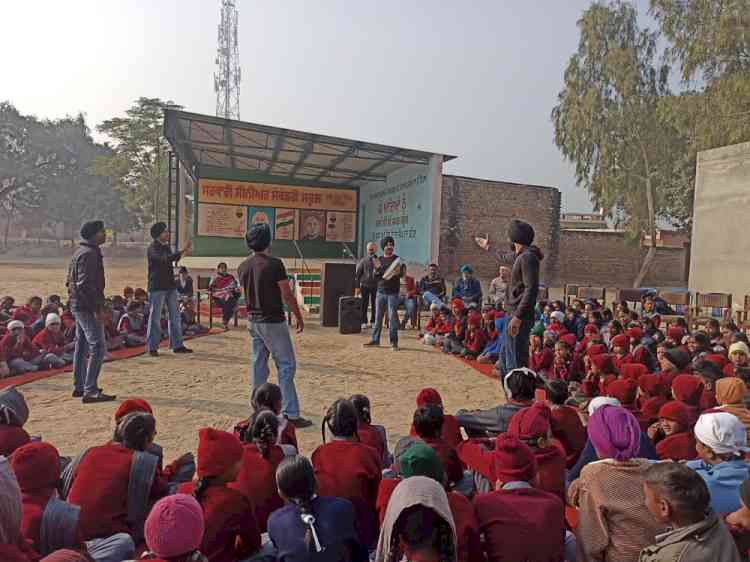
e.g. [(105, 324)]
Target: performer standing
[(522, 290), (161, 288), (368, 285), (85, 284), (388, 294), (266, 285)]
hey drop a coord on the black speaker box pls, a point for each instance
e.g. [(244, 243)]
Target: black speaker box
[(350, 315), (336, 281)]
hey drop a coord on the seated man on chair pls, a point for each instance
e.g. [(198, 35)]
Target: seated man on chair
[(467, 287)]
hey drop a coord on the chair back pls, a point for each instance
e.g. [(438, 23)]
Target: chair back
[(591, 293), (203, 283), (571, 291), (712, 305)]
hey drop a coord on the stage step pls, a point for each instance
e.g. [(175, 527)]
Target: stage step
[(307, 290)]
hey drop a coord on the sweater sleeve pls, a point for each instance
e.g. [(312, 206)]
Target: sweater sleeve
[(592, 530), (530, 274), (488, 421), (476, 457)]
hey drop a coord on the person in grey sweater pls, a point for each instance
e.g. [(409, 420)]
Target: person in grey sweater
[(368, 284)]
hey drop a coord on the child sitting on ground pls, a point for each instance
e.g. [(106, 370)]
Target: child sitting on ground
[(128, 293), (474, 340), (369, 434), (30, 312), (653, 397), (565, 422), (454, 340), (21, 355), (679, 499), (739, 356), (451, 432), (174, 530), (268, 397), (428, 424), (190, 326), (673, 433), (429, 334), (132, 325), (51, 341)]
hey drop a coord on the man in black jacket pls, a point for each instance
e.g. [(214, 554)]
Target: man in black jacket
[(161, 288), (368, 285), (522, 291), (85, 284)]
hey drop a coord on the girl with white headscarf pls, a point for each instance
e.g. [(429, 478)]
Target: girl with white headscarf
[(418, 522), (721, 443)]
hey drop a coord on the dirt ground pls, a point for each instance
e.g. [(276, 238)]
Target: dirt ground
[(211, 387)]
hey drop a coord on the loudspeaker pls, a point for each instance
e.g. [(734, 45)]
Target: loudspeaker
[(336, 281), (350, 315)]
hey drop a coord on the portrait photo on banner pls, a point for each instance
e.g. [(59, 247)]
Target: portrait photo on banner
[(256, 215), (312, 225)]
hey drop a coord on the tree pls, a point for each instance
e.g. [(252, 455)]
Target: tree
[(138, 166), (607, 124)]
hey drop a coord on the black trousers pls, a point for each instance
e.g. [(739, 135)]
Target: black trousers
[(368, 297), (227, 308)]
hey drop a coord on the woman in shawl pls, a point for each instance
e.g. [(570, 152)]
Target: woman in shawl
[(612, 524), (225, 292), (730, 394), (418, 524)]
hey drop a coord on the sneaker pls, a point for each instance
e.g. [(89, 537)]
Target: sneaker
[(153, 353), (395, 347), (98, 396), (182, 349), (79, 393), (365, 326), (371, 344), (300, 423)]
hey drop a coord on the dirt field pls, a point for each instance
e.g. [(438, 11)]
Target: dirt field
[(211, 387)]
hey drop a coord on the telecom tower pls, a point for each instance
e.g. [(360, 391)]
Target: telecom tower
[(228, 74)]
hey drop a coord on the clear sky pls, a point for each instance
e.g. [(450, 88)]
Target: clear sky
[(477, 79)]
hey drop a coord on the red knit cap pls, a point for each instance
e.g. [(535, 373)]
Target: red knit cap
[(133, 405), (531, 423), (589, 329), (688, 389), (175, 526), (428, 396), (634, 333), (603, 362), (633, 371), (218, 451), (620, 341), (513, 460), (569, 339), (458, 303), (475, 320), (676, 411), (676, 333), (624, 390), (652, 385), (36, 466), (717, 359), (596, 349)]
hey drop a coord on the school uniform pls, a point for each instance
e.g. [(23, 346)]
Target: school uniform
[(257, 481), (568, 429), (451, 433), (542, 360), (351, 470), (231, 529), (521, 523), (677, 447), (374, 436), (11, 438), (50, 342), (448, 457)]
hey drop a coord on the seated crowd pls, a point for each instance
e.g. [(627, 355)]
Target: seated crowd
[(41, 335), (623, 442)]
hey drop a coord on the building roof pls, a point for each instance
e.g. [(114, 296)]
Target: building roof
[(205, 140)]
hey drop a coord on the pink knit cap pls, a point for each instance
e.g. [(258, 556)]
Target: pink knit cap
[(175, 526)]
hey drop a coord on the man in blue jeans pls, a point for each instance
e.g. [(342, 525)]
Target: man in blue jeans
[(163, 288), (266, 285), (388, 294), (85, 284)]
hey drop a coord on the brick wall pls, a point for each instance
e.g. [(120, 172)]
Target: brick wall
[(608, 259), (473, 206)]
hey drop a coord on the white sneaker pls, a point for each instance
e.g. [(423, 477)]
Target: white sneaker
[(365, 326)]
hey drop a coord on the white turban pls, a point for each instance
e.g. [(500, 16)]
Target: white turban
[(557, 315), (52, 318), (722, 432), (600, 401)]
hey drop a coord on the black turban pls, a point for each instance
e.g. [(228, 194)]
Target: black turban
[(89, 229), (521, 232), (258, 238), (157, 229)]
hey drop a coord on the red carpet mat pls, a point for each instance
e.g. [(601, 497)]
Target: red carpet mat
[(117, 355), (486, 370)]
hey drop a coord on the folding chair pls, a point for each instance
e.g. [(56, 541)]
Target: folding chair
[(743, 315), (588, 293)]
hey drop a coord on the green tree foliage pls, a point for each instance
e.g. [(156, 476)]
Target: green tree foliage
[(607, 124), (138, 164)]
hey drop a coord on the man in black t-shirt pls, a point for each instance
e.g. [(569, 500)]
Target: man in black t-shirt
[(388, 293), (264, 280)]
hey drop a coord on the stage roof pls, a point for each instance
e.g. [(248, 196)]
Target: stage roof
[(204, 140)]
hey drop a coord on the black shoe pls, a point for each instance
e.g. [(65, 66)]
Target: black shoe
[(79, 393), (395, 347), (153, 353), (371, 344), (99, 396), (182, 349), (300, 423)]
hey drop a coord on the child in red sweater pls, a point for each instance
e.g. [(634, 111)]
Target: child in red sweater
[(51, 341), (565, 422), (231, 529), (174, 530), (653, 397), (348, 469), (257, 476), (369, 434), (132, 324), (21, 355), (621, 351), (451, 433), (429, 334), (428, 423), (474, 340), (268, 397), (673, 434)]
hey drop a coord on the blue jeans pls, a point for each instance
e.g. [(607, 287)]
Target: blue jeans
[(272, 338), (153, 332), (89, 340), (111, 549), (431, 298), (391, 301), (516, 349)]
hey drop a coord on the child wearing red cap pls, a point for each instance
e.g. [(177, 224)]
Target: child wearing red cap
[(257, 476), (673, 434), (653, 397), (474, 340), (174, 530), (451, 433), (368, 433), (48, 523), (563, 364), (621, 351), (518, 520), (625, 390), (231, 531), (688, 389), (640, 352), (348, 469)]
